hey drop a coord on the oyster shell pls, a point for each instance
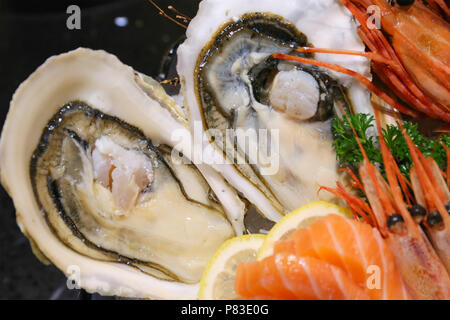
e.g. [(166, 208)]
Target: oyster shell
[(233, 89), (86, 154)]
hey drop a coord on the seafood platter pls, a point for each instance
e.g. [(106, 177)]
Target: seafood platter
[(306, 156)]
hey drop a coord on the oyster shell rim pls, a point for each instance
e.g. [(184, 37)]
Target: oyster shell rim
[(106, 278)]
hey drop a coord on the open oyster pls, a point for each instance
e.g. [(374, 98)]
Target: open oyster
[(86, 154), (270, 120)]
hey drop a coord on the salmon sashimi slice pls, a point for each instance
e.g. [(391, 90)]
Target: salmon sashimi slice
[(330, 259), (286, 276)]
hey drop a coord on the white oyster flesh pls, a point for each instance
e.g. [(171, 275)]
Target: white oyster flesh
[(86, 155), (229, 82), (296, 93)]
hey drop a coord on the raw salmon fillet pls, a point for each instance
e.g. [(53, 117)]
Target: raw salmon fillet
[(334, 258)]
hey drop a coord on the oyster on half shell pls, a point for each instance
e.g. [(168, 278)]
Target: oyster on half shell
[(271, 120), (86, 155)]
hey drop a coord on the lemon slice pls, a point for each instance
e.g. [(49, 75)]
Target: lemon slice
[(300, 218), (219, 276)]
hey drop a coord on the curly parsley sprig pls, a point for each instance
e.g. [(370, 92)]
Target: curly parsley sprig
[(349, 154)]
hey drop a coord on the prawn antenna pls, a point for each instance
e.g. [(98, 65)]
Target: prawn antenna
[(174, 20), (179, 15)]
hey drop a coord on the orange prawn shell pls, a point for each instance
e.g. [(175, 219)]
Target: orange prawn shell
[(421, 39)]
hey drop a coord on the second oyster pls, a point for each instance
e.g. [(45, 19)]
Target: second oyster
[(270, 120)]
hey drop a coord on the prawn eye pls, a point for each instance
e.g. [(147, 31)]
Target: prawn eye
[(395, 223), (417, 212), (447, 207), (434, 219), (405, 2)]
